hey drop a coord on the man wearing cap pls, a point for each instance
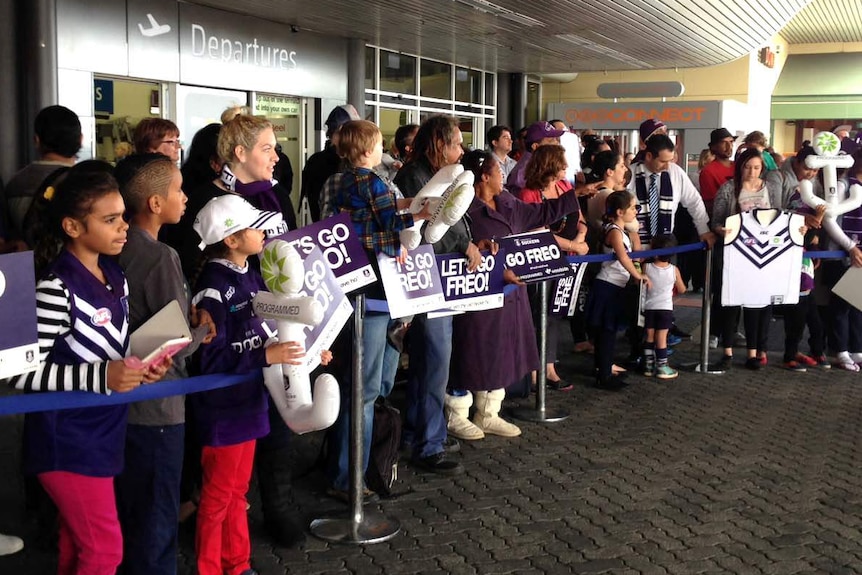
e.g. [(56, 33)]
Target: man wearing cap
[(848, 145), (538, 134), (648, 128), (326, 162), (720, 170)]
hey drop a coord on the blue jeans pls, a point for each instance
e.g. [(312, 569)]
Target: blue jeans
[(379, 363), (430, 349), (148, 498)]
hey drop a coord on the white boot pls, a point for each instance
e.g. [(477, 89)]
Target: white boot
[(10, 544), (457, 410), (487, 416)]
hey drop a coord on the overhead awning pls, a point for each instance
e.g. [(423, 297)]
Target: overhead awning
[(819, 86)]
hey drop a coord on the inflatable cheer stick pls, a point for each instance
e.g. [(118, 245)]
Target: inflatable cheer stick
[(289, 385), (449, 193), (827, 145)]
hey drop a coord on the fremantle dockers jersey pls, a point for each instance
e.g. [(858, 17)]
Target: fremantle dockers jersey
[(762, 261)]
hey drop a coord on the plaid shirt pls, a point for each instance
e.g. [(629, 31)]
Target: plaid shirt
[(372, 210)]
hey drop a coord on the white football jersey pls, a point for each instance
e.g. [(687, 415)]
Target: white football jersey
[(762, 259)]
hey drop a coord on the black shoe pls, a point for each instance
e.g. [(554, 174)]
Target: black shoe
[(725, 363), (752, 363), (559, 385), (612, 383), (368, 496), (286, 533), (451, 445), (674, 330), (438, 463)]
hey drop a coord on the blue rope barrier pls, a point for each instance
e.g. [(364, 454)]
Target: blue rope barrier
[(52, 400), (48, 401)]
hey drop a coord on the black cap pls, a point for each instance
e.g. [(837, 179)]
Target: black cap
[(718, 135)]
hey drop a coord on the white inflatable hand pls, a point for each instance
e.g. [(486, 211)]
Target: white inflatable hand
[(827, 145), (452, 207), (289, 385), (432, 192)]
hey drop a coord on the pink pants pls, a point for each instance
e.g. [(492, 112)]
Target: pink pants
[(90, 539), (222, 540)]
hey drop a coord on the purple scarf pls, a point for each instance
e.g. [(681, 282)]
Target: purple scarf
[(260, 194)]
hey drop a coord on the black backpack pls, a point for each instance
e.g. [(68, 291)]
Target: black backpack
[(385, 442)]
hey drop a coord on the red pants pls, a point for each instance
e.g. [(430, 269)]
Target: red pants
[(222, 540), (90, 539)]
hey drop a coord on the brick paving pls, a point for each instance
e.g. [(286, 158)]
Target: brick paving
[(747, 472)]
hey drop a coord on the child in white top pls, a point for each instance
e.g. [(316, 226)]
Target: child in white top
[(658, 308)]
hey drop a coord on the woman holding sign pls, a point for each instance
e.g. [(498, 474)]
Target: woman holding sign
[(546, 180), (483, 362)]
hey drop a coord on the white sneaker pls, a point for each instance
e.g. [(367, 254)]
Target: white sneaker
[(856, 357), (10, 544)]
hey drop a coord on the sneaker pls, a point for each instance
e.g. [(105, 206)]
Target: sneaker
[(763, 360), (10, 544), (451, 445), (848, 364), (822, 362), (856, 357), (439, 464), (368, 496), (666, 372), (794, 365), (725, 363), (674, 330), (673, 340), (649, 365), (713, 342), (752, 363), (805, 360)]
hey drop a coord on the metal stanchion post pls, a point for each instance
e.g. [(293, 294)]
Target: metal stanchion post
[(359, 527), (540, 414), (706, 309)]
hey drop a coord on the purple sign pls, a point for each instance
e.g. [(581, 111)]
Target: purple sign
[(19, 342), (471, 291), (320, 283), (341, 249), (535, 256), (564, 300), (414, 286)]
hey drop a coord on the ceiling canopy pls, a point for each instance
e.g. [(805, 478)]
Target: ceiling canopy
[(562, 36)]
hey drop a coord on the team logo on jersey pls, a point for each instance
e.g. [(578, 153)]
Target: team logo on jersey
[(102, 317), (229, 293)]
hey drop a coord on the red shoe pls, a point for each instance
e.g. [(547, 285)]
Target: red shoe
[(763, 360), (805, 360)]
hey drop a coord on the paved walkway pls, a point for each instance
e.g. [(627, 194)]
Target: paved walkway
[(747, 472)]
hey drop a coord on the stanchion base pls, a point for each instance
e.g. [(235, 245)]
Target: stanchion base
[(699, 369), (536, 416), (374, 528)]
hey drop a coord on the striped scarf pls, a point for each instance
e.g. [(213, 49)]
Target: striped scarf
[(665, 215)]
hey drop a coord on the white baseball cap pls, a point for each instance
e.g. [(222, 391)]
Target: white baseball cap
[(228, 214)]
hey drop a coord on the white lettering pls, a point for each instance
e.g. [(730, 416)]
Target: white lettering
[(249, 53)]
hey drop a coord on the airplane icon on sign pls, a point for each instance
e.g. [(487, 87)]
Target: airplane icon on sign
[(155, 28)]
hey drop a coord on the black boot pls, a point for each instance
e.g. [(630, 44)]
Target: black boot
[(273, 460)]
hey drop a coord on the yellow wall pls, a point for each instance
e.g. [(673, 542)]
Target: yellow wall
[(828, 48), (724, 82)]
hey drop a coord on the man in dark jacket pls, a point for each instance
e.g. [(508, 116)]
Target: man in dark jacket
[(325, 162)]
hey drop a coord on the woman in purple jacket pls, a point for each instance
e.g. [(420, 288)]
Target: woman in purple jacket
[(483, 362)]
